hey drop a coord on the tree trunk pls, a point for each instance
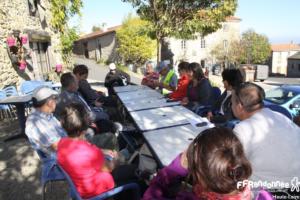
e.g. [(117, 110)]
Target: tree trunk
[(158, 49)]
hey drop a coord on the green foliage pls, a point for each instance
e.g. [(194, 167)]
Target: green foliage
[(67, 41), (96, 28), (253, 48), (183, 19), (256, 47), (230, 53), (62, 10), (135, 45), (122, 68)]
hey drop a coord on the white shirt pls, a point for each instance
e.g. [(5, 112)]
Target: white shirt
[(272, 145), (228, 93)]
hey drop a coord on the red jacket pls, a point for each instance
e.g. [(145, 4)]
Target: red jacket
[(181, 90)]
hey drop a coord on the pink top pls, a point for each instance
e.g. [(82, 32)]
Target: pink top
[(83, 162)]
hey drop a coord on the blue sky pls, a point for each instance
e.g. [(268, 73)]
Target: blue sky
[(279, 20)]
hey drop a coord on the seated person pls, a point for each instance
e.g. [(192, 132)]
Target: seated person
[(114, 78), (221, 109), (93, 97), (83, 161), (88, 93), (181, 91), (42, 129), (270, 139), (150, 76), (213, 164), (92, 170), (168, 79), (69, 94), (199, 91)]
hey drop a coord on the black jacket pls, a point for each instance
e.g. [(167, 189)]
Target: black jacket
[(119, 78), (228, 114)]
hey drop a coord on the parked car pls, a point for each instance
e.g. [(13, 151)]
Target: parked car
[(287, 96)]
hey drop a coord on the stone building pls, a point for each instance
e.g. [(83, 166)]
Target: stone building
[(199, 49), (27, 41), (99, 45), (280, 55), (293, 68)]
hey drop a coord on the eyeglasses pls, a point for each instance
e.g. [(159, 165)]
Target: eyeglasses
[(245, 85)]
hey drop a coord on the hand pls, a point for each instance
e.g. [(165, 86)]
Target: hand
[(184, 101), (156, 83), (100, 93), (209, 115), (109, 152), (110, 160), (183, 160)]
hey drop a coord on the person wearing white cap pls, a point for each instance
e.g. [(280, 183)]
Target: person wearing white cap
[(42, 129), (114, 78)]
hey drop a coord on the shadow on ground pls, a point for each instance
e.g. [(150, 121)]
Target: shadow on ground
[(20, 169)]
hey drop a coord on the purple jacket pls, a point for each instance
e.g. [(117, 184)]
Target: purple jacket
[(161, 186)]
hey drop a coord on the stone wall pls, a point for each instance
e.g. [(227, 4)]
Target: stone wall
[(108, 45), (14, 15)]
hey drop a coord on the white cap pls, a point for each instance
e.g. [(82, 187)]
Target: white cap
[(42, 93), (112, 66)]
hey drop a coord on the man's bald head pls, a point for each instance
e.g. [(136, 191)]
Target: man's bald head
[(250, 96)]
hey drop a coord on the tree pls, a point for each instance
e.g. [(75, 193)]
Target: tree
[(61, 12), (67, 41), (228, 53), (96, 28), (182, 19), (134, 43), (256, 47), (252, 48)]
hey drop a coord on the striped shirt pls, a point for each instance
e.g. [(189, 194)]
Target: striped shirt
[(43, 130)]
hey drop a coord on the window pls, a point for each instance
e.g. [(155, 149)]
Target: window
[(225, 44), (280, 95), (33, 7), (183, 44), (203, 45), (41, 52), (225, 27)]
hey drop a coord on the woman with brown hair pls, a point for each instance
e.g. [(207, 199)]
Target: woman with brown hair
[(213, 165), (199, 89)]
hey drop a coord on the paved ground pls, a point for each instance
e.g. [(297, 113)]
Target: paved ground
[(20, 169)]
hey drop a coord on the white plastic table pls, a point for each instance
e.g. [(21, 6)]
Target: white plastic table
[(19, 102), (138, 94), (130, 88), (148, 103), (167, 143), (164, 117)]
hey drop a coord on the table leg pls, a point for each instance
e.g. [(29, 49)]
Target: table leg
[(22, 121)]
